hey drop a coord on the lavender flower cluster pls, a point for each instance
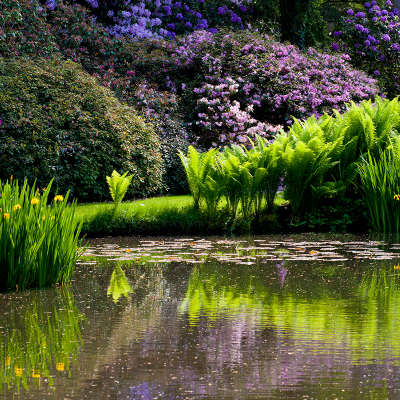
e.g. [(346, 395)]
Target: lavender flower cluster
[(372, 40), (169, 18), (247, 83)]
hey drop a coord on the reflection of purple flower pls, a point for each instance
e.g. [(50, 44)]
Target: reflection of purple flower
[(282, 271)]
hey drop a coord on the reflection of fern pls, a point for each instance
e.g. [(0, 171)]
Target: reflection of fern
[(118, 185)]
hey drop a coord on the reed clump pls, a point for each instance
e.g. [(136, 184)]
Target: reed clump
[(38, 237)]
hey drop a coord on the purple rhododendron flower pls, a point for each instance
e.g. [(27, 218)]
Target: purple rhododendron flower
[(386, 37), (177, 4), (360, 14), (350, 12), (337, 33), (383, 19), (367, 5), (377, 72), (389, 3), (367, 43), (335, 47), (373, 3)]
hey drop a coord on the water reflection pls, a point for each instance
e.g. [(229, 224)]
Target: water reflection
[(263, 321), (119, 285), (38, 338)]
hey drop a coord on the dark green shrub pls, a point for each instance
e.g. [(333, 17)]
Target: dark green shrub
[(57, 121)]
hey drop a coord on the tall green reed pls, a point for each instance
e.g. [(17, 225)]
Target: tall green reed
[(38, 240), (380, 188)]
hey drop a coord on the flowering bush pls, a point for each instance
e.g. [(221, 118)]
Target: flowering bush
[(238, 84), (57, 121), (167, 18), (372, 40)]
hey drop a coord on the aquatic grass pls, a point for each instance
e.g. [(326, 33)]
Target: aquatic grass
[(39, 237), (380, 185)]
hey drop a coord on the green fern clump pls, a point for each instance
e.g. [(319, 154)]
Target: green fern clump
[(118, 185), (307, 157), (200, 172)]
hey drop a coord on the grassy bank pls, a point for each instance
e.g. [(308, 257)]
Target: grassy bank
[(160, 215), (175, 215)]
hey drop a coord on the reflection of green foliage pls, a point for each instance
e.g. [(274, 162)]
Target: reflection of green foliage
[(119, 285), (329, 303), (39, 341)]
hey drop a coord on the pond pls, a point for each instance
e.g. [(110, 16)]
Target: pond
[(211, 318)]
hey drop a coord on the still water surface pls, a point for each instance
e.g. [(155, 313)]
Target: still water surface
[(201, 318)]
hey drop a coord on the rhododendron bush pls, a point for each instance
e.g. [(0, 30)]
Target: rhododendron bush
[(235, 85), (372, 39), (166, 18)]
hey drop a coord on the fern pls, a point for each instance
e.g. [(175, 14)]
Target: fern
[(118, 185), (198, 167)]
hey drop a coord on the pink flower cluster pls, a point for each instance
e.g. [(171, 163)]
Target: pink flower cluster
[(224, 120)]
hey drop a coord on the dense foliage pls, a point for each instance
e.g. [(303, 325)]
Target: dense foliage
[(58, 122)]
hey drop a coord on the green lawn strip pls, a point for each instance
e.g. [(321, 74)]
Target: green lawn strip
[(173, 215)]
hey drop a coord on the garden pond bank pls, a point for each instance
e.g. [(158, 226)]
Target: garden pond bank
[(285, 317)]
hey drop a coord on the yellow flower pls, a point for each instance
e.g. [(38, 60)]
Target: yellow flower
[(58, 198), (397, 266), (34, 201), (6, 216), (17, 207), (52, 217), (60, 366), (36, 373), (8, 360), (396, 197), (18, 371), (43, 218)]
